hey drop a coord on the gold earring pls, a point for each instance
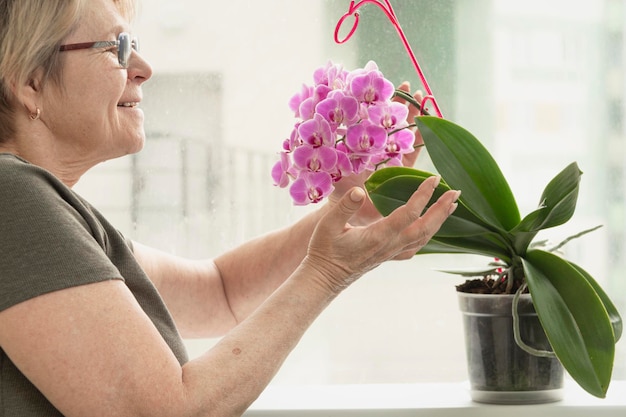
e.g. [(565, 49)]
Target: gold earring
[(35, 116)]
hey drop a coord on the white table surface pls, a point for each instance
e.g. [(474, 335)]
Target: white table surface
[(399, 400)]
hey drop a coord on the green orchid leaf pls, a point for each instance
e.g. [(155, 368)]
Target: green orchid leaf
[(560, 197), (390, 188), (470, 272), (614, 316), (466, 165), (458, 226), (574, 319), (382, 175), (557, 206), (462, 232), (477, 245)]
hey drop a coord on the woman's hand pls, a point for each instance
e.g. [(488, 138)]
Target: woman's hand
[(342, 252), (368, 213)]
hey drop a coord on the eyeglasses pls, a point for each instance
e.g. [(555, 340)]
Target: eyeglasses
[(124, 44)]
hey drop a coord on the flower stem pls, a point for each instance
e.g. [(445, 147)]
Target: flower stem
[(406, 96), (402, 128)]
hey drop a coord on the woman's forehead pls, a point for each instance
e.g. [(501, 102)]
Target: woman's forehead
[(99, 20)]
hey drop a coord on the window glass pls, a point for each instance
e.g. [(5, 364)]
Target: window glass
[(541, 83)]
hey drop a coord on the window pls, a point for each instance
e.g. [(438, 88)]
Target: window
[(541, 83)]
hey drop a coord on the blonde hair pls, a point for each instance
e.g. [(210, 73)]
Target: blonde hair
[(31, 32)]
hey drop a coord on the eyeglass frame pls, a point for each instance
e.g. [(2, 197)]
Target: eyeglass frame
[(124, 44)]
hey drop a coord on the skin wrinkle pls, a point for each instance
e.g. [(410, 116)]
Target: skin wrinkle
[(227, 298)]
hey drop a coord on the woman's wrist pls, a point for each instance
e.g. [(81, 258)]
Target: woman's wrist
[(324, 277)]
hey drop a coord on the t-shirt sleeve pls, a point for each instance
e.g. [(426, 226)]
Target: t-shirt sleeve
[(49, 240)]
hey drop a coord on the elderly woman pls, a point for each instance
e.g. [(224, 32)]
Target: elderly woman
[(90, 323)]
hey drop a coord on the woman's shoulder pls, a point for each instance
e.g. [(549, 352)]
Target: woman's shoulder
[(17, 174), (9, 160), (31, 193)]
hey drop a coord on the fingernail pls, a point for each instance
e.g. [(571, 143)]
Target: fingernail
[(437, 181), (458, 194), (453, 207), (357, 195)]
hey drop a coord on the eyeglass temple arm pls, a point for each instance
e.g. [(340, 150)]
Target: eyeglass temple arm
[(87, 45)]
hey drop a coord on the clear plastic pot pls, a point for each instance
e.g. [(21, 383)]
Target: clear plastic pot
[(500, 372)]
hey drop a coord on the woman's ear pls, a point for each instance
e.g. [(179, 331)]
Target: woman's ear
[(29, 93)]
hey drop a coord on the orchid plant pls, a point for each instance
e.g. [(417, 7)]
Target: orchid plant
[(578, 317), (346, 124)]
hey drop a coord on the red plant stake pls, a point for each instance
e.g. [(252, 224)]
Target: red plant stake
[(385, 6)]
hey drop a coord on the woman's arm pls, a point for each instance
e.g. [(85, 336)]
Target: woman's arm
[(209, 297), (93, 352)]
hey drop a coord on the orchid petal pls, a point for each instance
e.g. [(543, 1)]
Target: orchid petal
[(279, 171), (401, 142), (311, 187), (338, 109), (316, 132), (297, 99), (365, 138), (390, 115), (322, 158)]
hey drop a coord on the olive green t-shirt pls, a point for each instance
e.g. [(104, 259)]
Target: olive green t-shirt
[(51, 239)]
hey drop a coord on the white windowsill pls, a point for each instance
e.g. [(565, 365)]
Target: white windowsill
[(391, 400)]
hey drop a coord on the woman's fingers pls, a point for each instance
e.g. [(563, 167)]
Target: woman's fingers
[(345, 208), (342, 253), (421, 231), (402, 217), (413, 224)]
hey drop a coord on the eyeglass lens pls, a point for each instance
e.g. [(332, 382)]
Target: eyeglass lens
[(123, 49)]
